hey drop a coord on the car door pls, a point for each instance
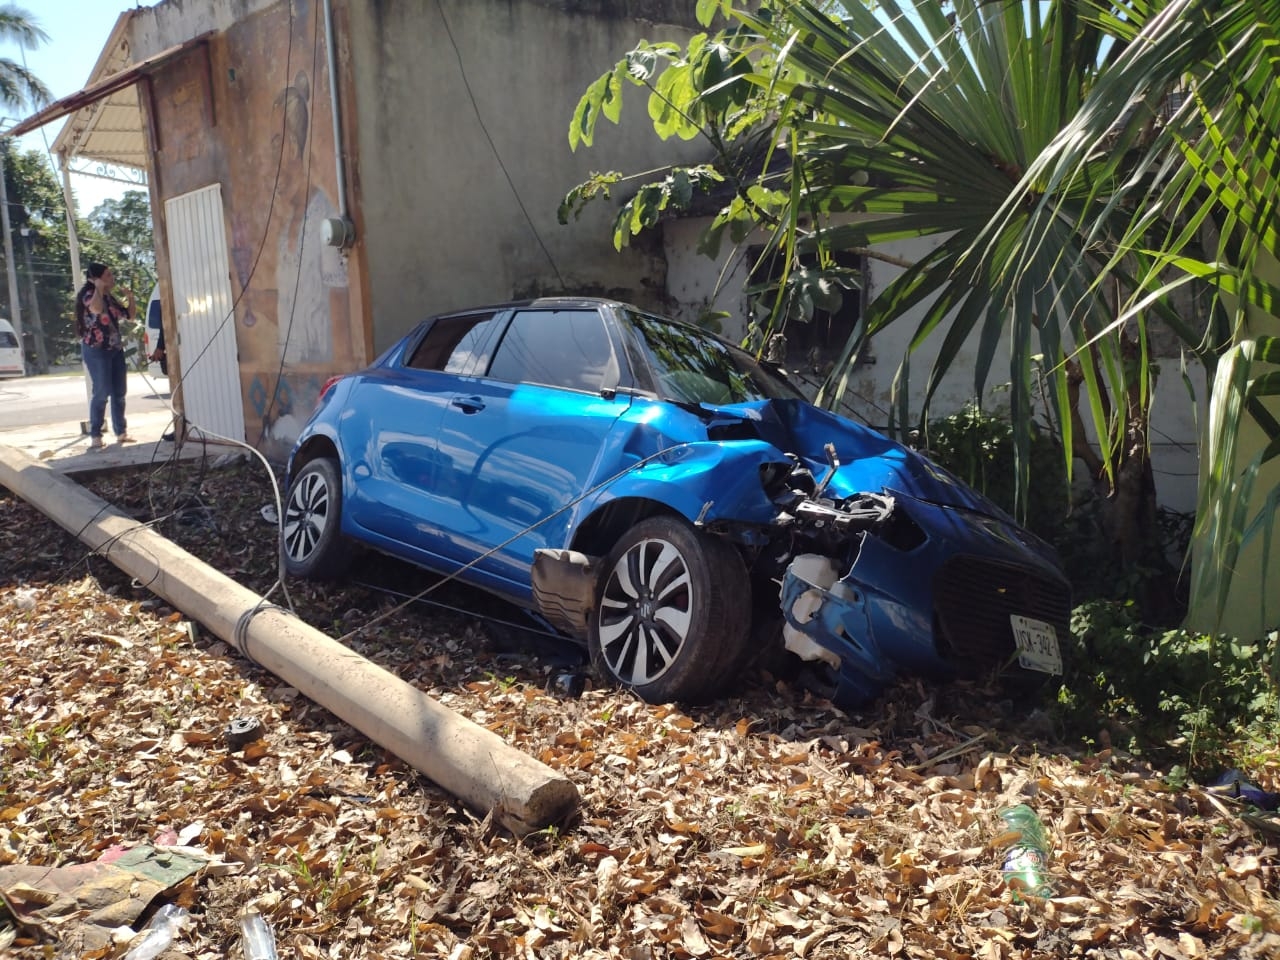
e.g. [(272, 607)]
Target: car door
[(402, 479), (525, 441)]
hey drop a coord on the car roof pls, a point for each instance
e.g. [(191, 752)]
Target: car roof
[(576, 303), (545, 303)]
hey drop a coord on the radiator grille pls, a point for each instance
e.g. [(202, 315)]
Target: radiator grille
[(973, 600)]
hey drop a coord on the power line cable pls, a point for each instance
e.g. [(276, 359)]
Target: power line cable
[(512, 539), (462, 72), (302, 234)]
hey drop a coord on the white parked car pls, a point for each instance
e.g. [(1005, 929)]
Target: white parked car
[(10, 352)]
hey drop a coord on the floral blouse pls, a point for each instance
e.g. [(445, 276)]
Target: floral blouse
[(102, 330)]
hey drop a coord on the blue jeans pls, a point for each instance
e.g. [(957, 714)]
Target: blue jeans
[(107, 380)]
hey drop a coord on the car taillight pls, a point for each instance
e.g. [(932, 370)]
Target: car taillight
[(328, 385)]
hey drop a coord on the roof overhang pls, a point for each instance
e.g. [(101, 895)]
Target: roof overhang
[(106, 121)]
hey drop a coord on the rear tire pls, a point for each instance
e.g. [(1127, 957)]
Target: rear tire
[(311, 540), (673, 613)]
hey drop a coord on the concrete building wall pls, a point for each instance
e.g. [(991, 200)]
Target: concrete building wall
[(167, 24), (460, 132)]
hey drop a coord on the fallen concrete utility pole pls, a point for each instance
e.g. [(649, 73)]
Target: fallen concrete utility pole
[(472, 763)]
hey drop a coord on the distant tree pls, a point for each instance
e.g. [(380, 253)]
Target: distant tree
[(125, 226), (19, 87), (40, 248), (116, 232)]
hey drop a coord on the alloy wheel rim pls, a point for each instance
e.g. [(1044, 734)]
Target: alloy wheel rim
[(646, 612), (306, 517)]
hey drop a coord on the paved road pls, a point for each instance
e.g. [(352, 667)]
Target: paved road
[(57, 398)]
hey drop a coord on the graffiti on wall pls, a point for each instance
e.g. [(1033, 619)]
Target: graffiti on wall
[(283, 402)]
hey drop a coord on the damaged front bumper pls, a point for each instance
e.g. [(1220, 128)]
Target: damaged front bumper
[(826, 622), (970, 595)]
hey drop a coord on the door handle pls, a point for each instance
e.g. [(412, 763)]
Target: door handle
[(468, 404)]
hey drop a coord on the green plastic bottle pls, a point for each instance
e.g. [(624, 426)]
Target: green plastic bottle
[(1026, 861)]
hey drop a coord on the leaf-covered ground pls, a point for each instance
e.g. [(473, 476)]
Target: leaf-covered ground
[(768, 824)]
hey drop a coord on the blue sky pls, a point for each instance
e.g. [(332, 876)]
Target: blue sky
[(78, 30)]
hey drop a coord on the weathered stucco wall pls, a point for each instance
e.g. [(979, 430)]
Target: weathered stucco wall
[(460, 123), (254, 117), (168, 24)]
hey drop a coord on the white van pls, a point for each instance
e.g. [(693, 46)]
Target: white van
[(153, 336), (10, 352)]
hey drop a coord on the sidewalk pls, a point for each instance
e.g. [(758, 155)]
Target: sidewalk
[(65, 449)]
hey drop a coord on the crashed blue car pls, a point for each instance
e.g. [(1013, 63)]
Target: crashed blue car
[(662, 497)]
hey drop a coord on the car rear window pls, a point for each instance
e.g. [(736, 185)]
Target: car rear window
[(7, 339), (461, 345), (694, 367), (557, 348)]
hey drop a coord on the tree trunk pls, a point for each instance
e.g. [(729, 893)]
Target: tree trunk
[(1134, 559), (1137, 552)]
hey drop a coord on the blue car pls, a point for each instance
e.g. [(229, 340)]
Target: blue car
[(664, 498)]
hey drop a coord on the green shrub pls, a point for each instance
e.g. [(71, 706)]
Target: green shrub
[(977, 446), (1177, 697), (1182, 698)]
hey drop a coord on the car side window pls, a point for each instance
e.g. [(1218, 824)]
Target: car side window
[(557, 348), (461, 345)]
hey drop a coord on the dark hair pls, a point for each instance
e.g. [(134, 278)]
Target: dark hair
[(92, 272)]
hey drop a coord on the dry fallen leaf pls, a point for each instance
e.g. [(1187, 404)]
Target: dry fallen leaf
[(767, 822)]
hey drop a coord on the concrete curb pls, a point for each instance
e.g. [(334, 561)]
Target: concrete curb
[(65, 448), (464, 758)]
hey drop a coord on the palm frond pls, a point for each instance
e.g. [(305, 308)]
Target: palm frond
[(919, 125)]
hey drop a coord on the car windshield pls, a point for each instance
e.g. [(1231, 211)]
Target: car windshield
[(694, 367)]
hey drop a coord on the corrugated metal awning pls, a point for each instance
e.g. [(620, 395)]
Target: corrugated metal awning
[(106, 122)]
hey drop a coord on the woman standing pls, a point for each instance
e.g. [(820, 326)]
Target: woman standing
[(98, 316)]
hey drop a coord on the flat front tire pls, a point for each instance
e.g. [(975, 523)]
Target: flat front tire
[(310, 537), (673, 614)]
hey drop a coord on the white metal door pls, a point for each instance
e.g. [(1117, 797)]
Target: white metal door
[(211, 397)]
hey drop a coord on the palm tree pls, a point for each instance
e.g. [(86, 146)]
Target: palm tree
[(19, 87), (1215, 177)]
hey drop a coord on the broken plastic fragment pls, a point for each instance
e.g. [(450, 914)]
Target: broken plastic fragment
[(826, 621)]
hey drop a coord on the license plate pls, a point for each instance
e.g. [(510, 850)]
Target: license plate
[(1037, 644)]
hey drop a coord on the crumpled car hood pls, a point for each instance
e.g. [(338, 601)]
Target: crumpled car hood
[(869, 461)]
